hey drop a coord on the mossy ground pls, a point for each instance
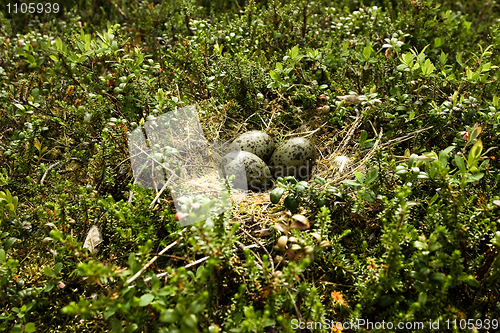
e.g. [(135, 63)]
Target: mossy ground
[(407, 231)]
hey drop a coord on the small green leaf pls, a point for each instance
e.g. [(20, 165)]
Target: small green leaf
[(17, 329), (474, 177), (300, 189), (169, 316), (49, 286), (460, 163), (422, 298), (407, 58), (359, 176), (319, 181), (196, 306), (475, 153), (275, 76), (59, 43), (435, 246), (57, 268), (367, 51), (2, 256), (30, 327), (180, 308), (131, 260), (442, 58), (131, 328), (292, 203), (116, 325), (30, 59), (420, 245), (109, 313), (443, 155), (269, 322), (352, 183), (291, 180), (276, 194), (190, 320), (474, 133), (436, 276), (363, 136), (437, 43), (403, 68), (371, 176), (417, 275), (369, 195), (496, 240), (9, 242), (471, 281), (20, 106), (48, 271), (10, 207), (427, 67), (146, 299)]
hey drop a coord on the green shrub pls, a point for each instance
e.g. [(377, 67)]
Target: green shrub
[(412, 237)]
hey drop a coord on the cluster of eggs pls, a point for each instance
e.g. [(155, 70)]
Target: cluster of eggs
[(255, 160)]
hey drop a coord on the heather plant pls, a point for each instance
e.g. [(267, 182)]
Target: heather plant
[(408, 234)]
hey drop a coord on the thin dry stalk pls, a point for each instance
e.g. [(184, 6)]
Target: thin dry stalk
[(136, 275)]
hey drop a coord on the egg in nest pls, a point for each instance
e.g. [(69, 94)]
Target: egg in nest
[(294, 157), (250, 171), (258, 143)]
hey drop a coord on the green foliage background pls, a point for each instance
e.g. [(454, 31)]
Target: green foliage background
[(413, 238)]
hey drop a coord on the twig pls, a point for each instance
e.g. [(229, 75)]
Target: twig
[(26, 102), (157, 275), (120, 10), (54, 165), (243, 247), (27, 255), (131, 194), (405, 137), (351, 132), (373, 127), (299, 315), (262, 246), (363, 161), (125, 160), (337, 284), (197, 262), (136, 275), (47, 171), (153, 159), (161, 191), (309, 133), (187, 266)]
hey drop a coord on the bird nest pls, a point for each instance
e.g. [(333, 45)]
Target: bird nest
[(192, 170), (339, 161)]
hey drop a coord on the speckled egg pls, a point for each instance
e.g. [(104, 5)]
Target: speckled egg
[(258, 143), (251, 173), (294, 157)]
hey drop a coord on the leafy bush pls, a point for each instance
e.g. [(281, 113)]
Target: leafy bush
[(413, 236)]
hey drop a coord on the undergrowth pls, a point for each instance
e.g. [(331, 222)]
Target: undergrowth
[(413, 238)]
